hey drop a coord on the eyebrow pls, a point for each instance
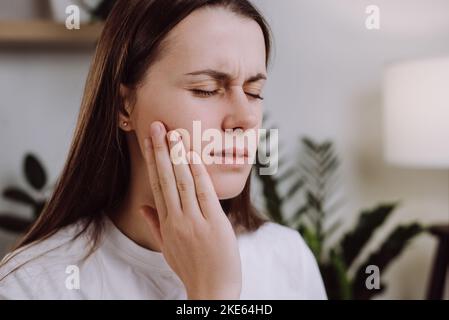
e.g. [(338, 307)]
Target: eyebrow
[(225, 77)]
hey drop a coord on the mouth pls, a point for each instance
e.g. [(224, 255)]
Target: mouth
[(231, 152)]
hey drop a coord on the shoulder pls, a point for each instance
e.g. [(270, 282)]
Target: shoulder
[(27, 272), (286, 248)]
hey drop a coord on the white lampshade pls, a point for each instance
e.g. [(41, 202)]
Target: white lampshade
[(416, 113)]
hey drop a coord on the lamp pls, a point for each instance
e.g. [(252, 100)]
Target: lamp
[(416, 132)]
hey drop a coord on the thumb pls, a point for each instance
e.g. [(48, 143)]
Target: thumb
[(151, 217)]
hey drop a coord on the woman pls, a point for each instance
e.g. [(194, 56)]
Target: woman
[(127, 222)]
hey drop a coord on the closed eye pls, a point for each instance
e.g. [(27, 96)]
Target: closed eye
[(255, 96), (205, 93)]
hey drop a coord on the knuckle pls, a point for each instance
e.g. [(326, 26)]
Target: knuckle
[(183, 186), (155, 186), (158, 146), (197, 174), (202, 195), (164, 181)]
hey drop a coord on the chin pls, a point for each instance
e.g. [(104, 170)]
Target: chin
[(228, 183)]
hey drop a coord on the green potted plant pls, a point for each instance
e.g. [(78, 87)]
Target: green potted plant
[(313, 180), (33, 197)]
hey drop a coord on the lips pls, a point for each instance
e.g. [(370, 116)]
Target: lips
[(230, 152)]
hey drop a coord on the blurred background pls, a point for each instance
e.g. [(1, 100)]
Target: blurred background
[(362, 111)]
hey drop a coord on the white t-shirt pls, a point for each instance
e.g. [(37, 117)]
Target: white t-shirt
[(276, 264)]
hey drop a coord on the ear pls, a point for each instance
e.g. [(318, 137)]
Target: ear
[(124, 119)]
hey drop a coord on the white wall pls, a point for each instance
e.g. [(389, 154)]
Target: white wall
[(41, 93), (324, 82)]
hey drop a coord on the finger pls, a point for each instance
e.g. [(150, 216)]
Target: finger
[(164, 167), (205, 192), (152, 219), (184, 179), (185, 137), (154, 179)]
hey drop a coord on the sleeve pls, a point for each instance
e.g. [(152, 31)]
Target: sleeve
[(311, 276), (16, 286)]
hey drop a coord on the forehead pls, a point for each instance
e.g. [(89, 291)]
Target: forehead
[(214, 37)]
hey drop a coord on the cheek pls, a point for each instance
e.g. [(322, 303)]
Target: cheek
[(171, 107), (179, 111)]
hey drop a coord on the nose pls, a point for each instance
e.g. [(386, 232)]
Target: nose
[(241, 113)]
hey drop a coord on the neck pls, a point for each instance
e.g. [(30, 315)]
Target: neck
[(127, 217)]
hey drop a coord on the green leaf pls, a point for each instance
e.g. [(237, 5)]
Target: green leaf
[(286, 175), (391, 248), (314, 201), (34, 172), (38, 208), (330, 280), (294, 189), (334, 227), (295, 220), (273, 201), (11, 223), (310, 145), (344, 284), (329, 168), (354, 241), (18, 195), (326, 146), (312, 240)]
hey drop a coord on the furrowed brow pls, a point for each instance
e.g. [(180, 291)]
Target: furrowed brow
[(225, 77)]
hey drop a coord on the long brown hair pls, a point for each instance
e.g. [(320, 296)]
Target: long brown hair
[(95, 177)]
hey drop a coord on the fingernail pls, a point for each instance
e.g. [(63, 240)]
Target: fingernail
[(155, 129)]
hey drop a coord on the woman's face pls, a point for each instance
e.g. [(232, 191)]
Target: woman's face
[(211, 71)]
